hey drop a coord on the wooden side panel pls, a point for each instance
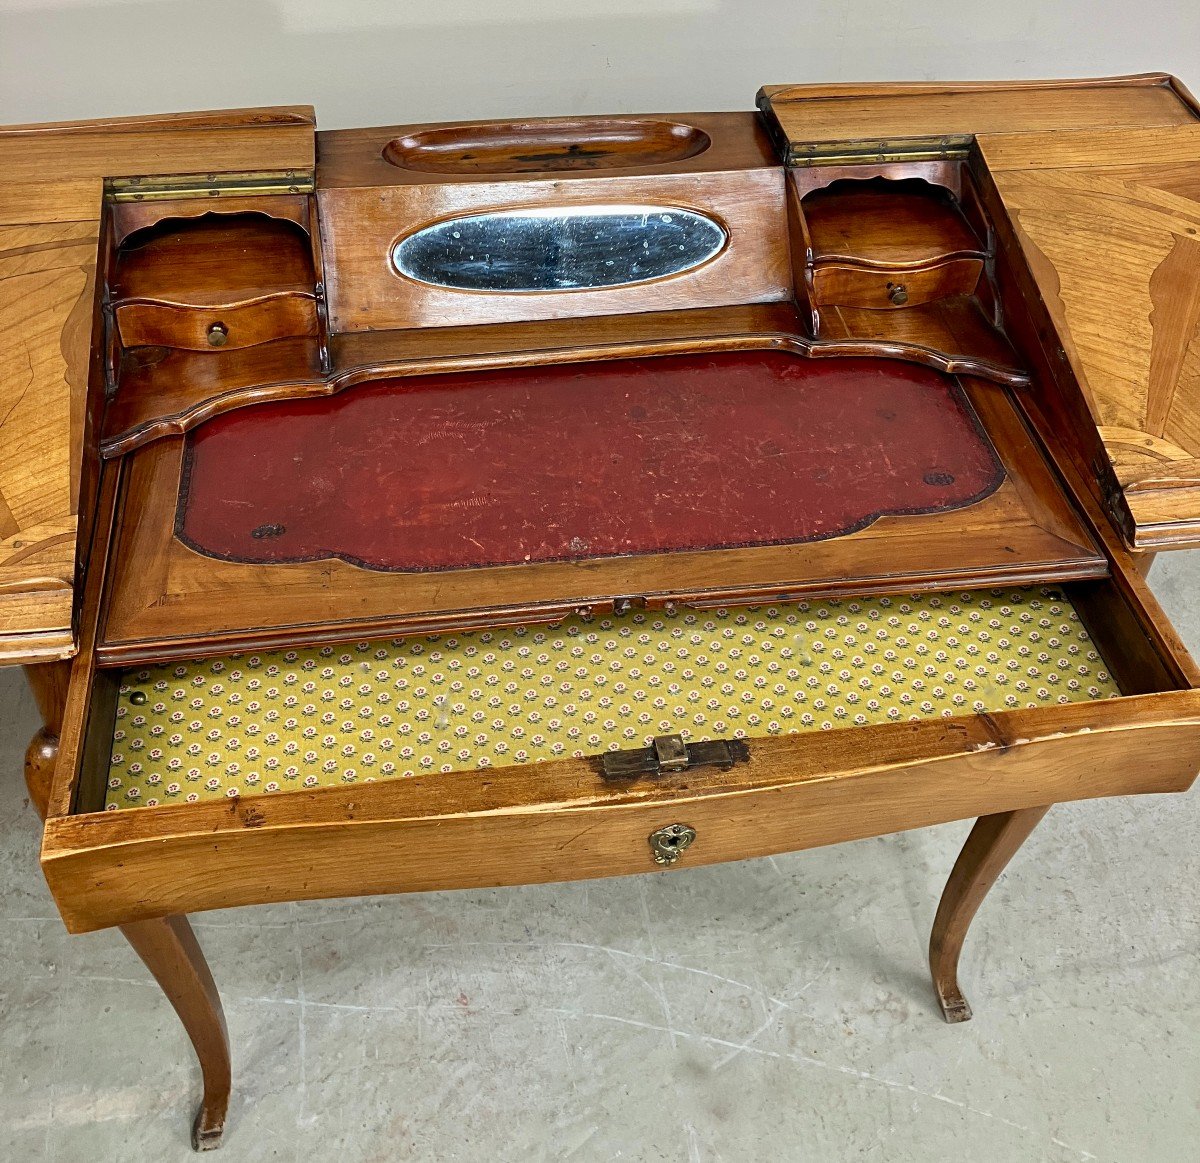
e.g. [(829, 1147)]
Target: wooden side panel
[(1115, 251), (46, 297)]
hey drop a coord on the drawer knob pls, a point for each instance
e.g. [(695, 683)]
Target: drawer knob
[(897, 294), (667, 844), (218, 334)]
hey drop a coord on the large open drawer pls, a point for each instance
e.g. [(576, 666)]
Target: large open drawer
[(566, 818)]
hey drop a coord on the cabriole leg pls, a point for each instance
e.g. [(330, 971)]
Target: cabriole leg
[(167, 946), (991, 845), (171, 952)]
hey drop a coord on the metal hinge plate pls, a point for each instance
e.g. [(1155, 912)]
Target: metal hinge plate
[(245, 184), (669, 753)]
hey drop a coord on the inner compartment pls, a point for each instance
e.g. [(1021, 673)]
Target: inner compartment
[(214, 259), (321, 716), (887, 222), (211, 279)]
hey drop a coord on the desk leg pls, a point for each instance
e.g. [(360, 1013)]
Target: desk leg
[(171, 952), (168, 946), (48, 681), (993, 842)]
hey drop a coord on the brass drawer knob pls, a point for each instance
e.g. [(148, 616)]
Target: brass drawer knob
[(897, 294), (667, 844), (218, 334)]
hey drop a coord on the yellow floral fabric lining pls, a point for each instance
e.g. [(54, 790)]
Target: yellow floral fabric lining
[(277, 720)]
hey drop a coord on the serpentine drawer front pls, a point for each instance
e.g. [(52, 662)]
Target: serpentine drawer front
[(231, 325), (847, 286), (508, 755)]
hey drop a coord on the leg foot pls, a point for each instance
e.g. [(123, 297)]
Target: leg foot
[(991, 845), (955, 1007), (206, 1137), (171, 952)]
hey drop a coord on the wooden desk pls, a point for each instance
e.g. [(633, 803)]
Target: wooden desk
[(440, 506)]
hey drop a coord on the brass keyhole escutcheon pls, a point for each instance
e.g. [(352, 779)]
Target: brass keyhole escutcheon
[(897, 294), (218, 333), (667, 844)]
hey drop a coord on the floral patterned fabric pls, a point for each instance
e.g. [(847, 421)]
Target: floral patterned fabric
[(271, 721)]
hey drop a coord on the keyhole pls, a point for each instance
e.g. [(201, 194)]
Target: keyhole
[(667, 844)]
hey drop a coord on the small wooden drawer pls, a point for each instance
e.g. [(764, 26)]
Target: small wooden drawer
[(213, 328), (843, 285), (228, 280)]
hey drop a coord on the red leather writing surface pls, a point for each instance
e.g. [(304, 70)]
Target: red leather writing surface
[(583, 460)]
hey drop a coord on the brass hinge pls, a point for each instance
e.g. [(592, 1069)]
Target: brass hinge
[(669, 753), (244, 184), (950, 147)]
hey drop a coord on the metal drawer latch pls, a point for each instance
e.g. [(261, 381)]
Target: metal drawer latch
[(669, 753)]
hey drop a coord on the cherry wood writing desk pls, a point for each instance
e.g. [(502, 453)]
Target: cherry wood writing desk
[(436, 506)]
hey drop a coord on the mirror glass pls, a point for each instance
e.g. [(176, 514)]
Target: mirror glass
[(560, 248)]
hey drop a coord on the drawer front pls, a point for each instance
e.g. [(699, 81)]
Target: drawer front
[(215, 328), (837, 285), (563, 821)]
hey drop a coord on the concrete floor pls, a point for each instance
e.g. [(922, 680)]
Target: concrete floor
[(777, 1009)]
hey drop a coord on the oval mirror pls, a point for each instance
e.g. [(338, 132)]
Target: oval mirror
[(559, 248)]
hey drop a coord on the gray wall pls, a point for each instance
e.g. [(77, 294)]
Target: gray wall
[(370, 62)]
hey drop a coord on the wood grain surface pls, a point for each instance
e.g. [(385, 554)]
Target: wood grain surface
[(1130, 324), (829, 121), (46, 297)]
